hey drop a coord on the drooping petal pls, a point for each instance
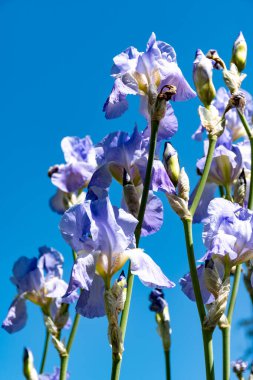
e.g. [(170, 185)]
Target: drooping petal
[(208, 194), (116, 104), (82, 275), (147, 270), (16, 317), (91, 302), (56, 202), (153, 218), (187, 286), (72, 176)]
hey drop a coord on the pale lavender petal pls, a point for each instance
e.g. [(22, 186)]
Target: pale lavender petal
[(208, 194), (147, 270), (16, 317), (153, 218), (82, 275), (91, 302), (56, 202), (26, 275), (55, 288), (187, 286), (116, 104), (75, 227), (50, 262)]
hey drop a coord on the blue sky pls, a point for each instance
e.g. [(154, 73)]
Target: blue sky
[(54, 77)]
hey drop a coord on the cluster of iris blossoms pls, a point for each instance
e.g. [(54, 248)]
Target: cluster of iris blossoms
[(104, 237)]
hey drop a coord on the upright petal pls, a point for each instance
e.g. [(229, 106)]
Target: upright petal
[(50, 262), (26, 275)]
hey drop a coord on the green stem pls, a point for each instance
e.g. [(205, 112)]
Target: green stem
[(73, 332), (65, 359), (116, 365), (227, 330), (206, 334), (250, 136), (226, 352), (167, 364), (211, 147), (64, 367), (228, 193), (45, 350)]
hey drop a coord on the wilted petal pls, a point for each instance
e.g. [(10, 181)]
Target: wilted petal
[(147, 270), (16, 317), (91, 302)]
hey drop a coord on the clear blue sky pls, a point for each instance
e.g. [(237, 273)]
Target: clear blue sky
[(54, 77)]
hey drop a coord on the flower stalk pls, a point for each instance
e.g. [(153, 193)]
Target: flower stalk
[(45, 351), (116, 364)]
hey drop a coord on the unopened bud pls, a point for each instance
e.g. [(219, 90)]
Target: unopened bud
[(163, 97), (240, 189), (214, 56), (130, 195), (183, 185), (239, 52), (28, 366), (171, 163), (237, 100), (239, 366), (202, 76)]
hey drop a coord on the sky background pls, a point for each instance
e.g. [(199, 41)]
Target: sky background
[(54, 78)]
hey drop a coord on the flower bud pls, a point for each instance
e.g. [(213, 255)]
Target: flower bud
[(183, 185), (28, 367), (159, 108), (202, 76), (240, 189), (239, 366), (171, 163), (130, 195), (239, 52)]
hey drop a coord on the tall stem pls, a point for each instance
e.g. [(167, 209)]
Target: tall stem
[(167, 364), (200, 189), (206, 334), (65, 359), (250, 136), (116, 364), (227, 330), (45, 350)]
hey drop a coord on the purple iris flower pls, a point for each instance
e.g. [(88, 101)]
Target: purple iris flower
[(38, 280), (143, 73), (187, 287), (228, 232), (119, 152), (80, 157), (103, 236)]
